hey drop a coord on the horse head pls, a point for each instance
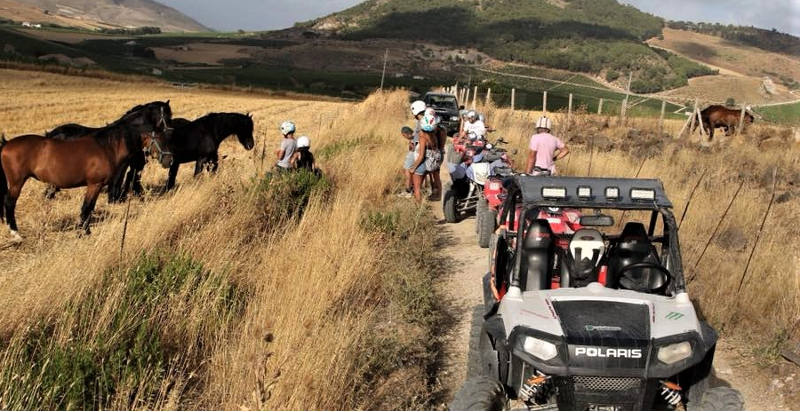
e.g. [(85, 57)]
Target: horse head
[(244, 130), (154, 116), (156, 146)]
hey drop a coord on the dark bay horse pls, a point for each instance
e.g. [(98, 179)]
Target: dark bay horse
[(198, 141), (73, 130), (715, 116), (93, 160)]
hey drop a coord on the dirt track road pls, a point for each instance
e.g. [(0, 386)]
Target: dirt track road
[(467, 264)]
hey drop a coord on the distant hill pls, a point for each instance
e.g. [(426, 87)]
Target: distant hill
[(601, 37), (769, 40), (100, 14)]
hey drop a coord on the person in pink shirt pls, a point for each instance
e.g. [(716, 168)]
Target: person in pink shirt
[(545, 149)]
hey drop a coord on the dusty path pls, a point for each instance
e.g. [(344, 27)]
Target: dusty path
[(762, 388)]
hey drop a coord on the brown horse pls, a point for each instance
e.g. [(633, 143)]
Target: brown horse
[(94, 160), (715, 116)]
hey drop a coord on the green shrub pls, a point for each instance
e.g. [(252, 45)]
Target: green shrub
[(143, 351)]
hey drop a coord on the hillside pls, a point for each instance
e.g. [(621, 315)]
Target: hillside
[(95, 14), (747, 73), (600, 37)]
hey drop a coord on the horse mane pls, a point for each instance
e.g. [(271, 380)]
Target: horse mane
[(223, 121)]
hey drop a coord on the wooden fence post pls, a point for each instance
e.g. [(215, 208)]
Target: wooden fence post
[(694, 115), (600, 107), (465, 100), (661, 119), (741, 120), (569, 112), (544, 102), (488, 96), (475, 98), (513, 98)]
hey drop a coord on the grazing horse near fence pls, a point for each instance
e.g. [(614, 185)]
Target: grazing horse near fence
[(198, 141), (93, 160), (715, 116)]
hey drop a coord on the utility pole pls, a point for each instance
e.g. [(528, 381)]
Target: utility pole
[(385, 59)]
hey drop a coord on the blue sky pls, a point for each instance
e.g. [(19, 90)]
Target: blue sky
[(228, 15)]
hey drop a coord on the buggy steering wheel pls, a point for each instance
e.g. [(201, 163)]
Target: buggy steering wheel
[(636, 284)]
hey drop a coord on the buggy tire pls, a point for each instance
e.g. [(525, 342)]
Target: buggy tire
[(480, 393), (488, 222), (449, 205), (721, 398), (480, 208)]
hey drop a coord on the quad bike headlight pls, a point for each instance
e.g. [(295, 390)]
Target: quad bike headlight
[(675, 352), (453, 118), (539, 348)]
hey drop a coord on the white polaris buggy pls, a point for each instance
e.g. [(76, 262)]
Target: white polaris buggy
[(595, 320)]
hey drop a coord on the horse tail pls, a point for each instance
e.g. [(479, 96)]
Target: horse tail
[(3, 182)]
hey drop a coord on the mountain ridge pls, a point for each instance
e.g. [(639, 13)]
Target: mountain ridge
[(103, 14)]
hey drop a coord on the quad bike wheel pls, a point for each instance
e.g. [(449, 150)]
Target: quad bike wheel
[(449, 205), (480, 393), (480, 208), (487, 221), (720, 398)]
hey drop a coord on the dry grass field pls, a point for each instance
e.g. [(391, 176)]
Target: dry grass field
[(232, 292), (223, 296)]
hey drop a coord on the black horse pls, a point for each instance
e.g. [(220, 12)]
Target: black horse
[(198, 141), (73, 131)]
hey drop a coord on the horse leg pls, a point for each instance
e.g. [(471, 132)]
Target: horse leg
[(89, 201), (10, 204), (173, 173), (198, 166), (214, 160), (138, 189), (50, 192), (116, 191)]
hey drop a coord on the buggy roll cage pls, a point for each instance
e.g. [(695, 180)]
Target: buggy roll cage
[(538, 192)]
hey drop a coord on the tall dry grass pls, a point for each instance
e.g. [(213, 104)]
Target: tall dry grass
[(264, 308)]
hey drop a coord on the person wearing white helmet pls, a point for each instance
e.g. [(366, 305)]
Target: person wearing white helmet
[(545, 150), (288, 146), (474, 126), (302, 157), (428, 156)]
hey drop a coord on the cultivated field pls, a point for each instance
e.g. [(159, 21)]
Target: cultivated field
[(225, 296), (734, 60)]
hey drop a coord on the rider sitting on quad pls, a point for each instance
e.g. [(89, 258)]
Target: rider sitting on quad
[(545, 150), (474, 127)]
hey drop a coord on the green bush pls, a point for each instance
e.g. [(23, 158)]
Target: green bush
[(145, 346)]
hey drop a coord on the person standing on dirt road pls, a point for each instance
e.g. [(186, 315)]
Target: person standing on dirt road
[(427, 152), (434, 163), (288, 146), (408, 135), (545, 150)]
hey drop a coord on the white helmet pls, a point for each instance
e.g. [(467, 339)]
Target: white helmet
[(544, 123), (472, 115), (303, 141), (429, 121), (287, 127), (418, 107)]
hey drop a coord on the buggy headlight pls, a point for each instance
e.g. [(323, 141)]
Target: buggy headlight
[(675, 352), (539, 348), (453, 118)]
